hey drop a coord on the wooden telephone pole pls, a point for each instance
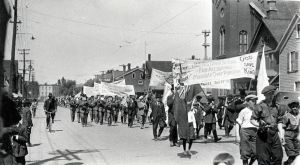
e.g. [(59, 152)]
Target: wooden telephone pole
[(24, 53), (12, 76)]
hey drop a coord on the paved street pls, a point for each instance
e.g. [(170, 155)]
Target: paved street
[(72, 144)]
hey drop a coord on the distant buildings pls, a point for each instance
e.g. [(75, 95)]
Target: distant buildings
[(45, 89)]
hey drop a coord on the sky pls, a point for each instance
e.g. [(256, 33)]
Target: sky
[(77, 39)]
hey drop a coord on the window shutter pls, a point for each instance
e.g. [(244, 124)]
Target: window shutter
[(288, 62), (296, 61)]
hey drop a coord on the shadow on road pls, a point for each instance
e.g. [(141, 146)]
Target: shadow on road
[(57, 130), (66, 154), (34, 145), (74, 163), (182, 155), (163, 138), (212, 141)]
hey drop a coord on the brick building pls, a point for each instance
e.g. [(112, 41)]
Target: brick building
[(243, 26)]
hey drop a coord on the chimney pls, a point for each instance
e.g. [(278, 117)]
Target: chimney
[(193, 57), (149, 57), (272, 9), (128, 67), (124, 68)]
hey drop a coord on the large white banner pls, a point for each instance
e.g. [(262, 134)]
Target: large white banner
[(115, 89), (89, 91), (158, 78), (214, 73), (120, 82)]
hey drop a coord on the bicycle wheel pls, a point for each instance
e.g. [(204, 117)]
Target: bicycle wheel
[(50, 126)]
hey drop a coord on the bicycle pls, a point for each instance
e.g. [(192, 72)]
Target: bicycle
[(50, 123)]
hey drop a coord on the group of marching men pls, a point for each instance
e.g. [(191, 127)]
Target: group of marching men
[(108, 108)]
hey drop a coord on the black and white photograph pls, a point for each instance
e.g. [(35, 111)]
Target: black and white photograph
[(149, 82)]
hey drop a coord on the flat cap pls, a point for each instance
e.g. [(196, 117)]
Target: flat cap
[(293, 103), (250, 97), (210, 98), (268, 89)]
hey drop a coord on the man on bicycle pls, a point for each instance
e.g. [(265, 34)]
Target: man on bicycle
[(49, 108)]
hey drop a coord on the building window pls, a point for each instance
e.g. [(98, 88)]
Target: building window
[(141, 76), (297, 86), (298, 30), (222, 41), (222, 13), (243, 41), (140, 82), (292, 62), (133, 75)]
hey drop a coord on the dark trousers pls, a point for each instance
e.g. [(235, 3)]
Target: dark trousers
[(101, 117), (72, 112), (33, 112), (52, 116), (208, 128), (123, 116), (130, 119), (78, 116), (92, 115), (228, 127), (20, 160), (155, 125), (116, 114), (97, 116), (269, 150), (109, 118), (173, 137)]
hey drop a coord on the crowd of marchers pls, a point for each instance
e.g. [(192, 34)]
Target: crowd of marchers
[(263, 127)]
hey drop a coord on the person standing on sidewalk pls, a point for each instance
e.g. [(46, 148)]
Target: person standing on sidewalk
[(27, 119)]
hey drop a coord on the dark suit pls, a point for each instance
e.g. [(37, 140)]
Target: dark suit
[(210, 121), (19, 145), (132, 108), (158, 117), (173, 137)]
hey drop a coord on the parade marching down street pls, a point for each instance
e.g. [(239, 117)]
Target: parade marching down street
[(64, 101)]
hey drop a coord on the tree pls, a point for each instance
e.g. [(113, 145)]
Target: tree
[(89, 83), (67, 87)]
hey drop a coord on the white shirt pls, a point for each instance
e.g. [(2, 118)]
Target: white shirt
[(244, 118), (191, 118)]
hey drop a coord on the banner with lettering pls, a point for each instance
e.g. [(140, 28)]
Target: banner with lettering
[(214, 73), (158, 78), (115, 89)]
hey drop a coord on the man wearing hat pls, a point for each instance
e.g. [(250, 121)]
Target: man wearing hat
[(173, 136), (198, 107), (290, 124), (267, 115), (158, 115), (50, 106), (229, 118), (73, 106), (27, 118), (210, 118), (247, 131)]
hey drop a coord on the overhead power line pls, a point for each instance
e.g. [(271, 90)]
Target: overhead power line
[(118, 28)]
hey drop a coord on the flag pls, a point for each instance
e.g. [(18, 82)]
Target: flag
[(262, 78)]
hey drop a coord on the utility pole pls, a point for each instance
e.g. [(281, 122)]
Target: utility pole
[(30, 69), (205, 44), (24, 53), (12, 76)]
